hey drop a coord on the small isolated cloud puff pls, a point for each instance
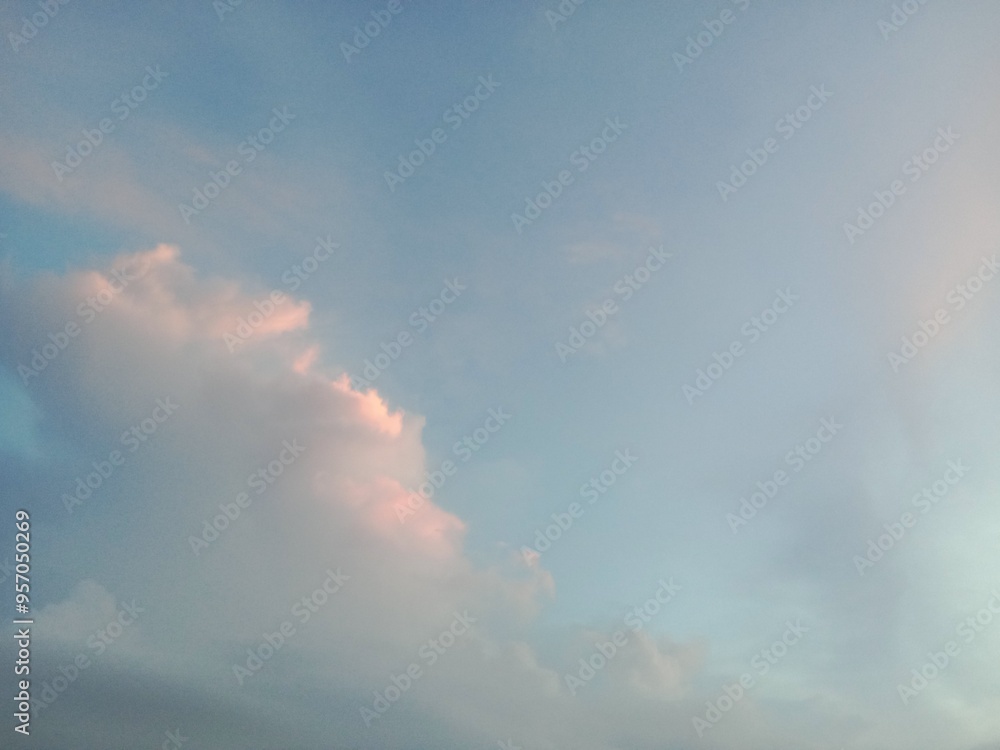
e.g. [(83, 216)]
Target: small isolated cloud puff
[(87, 609)]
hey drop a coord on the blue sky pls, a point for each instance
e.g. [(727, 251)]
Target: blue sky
[(865, 101)]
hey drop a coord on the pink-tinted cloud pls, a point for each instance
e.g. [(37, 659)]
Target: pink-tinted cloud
[(335, 507)]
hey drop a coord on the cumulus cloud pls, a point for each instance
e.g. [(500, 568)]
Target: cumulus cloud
[(218, 570), (228, 516)]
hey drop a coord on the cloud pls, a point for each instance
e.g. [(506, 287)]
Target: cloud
[(161, 336), (111, 192), (88, 608), (229, 539)]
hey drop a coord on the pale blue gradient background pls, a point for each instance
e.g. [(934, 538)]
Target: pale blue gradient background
[(495, 345)]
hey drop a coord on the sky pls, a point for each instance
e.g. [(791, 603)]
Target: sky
[(533, 375)]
